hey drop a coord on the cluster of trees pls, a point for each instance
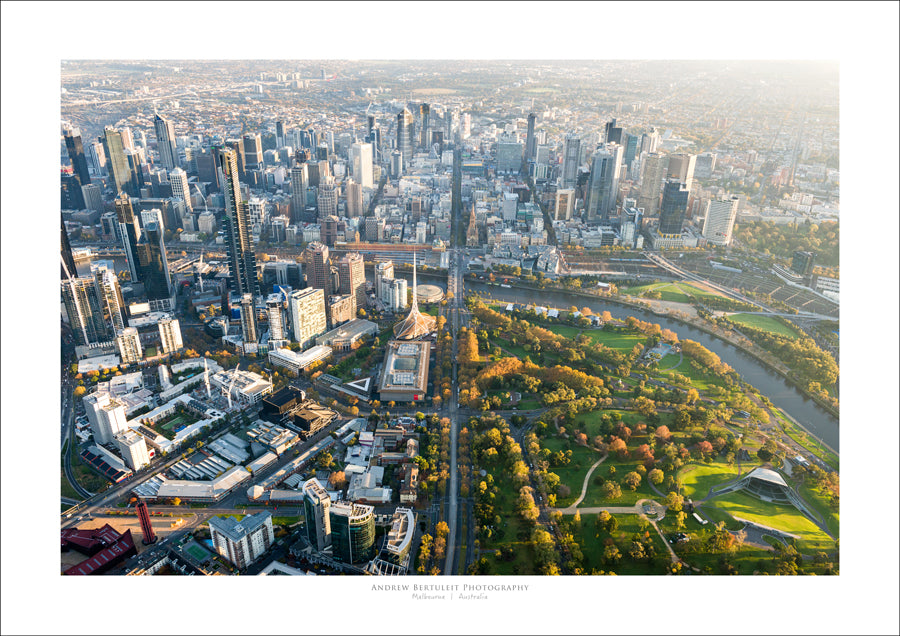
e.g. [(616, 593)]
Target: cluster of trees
[(707, 360), (784, 240), (802, 355)]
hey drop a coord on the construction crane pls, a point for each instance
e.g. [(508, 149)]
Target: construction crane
[(231, 386)]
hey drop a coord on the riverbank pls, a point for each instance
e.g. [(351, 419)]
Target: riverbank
[(701, 325)]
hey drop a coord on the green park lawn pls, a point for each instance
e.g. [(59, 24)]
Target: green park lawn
[(697, 479), (565, 331), (817, 500), (778, 516), (590, 422), (513, 532), (528, 404), (592, 541), (672, 292), (699, 380), (616, 340), (766, 323), (806, 440)]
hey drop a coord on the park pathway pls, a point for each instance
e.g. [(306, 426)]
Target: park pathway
[(583, 487), (658, 509)]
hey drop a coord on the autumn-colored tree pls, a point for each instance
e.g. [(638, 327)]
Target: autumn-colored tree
[(674, 501), (662, 433), (632, 480), (656, 476)]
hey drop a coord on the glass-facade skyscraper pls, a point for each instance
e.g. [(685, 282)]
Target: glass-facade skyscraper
[(674, 207), (352, 532), (405, 135), (241, 258), (76, 156), (165, 142), (116, 161)]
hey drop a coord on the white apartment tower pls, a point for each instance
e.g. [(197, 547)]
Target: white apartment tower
[(308, 316), (720, 221), (361, 156), (133, 449), (129, 343), (180, 188), (242, 542), (170, 334)]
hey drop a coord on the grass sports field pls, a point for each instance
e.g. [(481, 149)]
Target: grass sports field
[(766, 323)]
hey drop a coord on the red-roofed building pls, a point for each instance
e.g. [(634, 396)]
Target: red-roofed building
[(106, 558), (89, 542)]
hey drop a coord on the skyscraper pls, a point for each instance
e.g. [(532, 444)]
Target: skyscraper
[(425, 115), (165, 142), (238, 147), (720, 220), (96, 158), (650, 141), (316, 505), (67, 265), (383, 269), (603, 184), (529, 139), (129, 344), (308, 317), (674, 207), (85, 310), (681, 167), (353, 277), (109, 295), (354, 199), (352, 532), (253, 153), (130, 231), (76, 156), (279, 135), (655, 166), (405, 135), (180, 188), (275, 313), (361, 158), (249, 330), (154, 268), (318, 267), (116, 161), (241, 258), (571, 160), (299, 183), (327, 198), (170, 334)]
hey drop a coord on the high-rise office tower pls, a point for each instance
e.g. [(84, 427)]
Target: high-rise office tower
[(704, 165), (136, 172), (565, 205), (650, 141), (308, 317), (361, 157), (180, 189), (571, 160), (631, 149), (674, 207), (96, 158), (67, 265), (530, 145), (154, 268), (165, 142), (604, 182), (354, 199), (405, 135), (241, 258), (127, 138), (279, 134), (352, 532), (329, 230), (299, 183), (116, 161), (242, 542), (425, 116), (85, 310), (170, 334), (256, 211), (71, 196), (396, 164), (316, 505), (275, 312), (93, 197), (681, 167), (465, 125), (327, 199), (130, 231), (253, 152), (720, 220), (109, 295), (249, 330), (318, 267), (206, 170), (803, 263), (654, 172), (76, 156), (613, 132), (129, 344), (146, 526), (353, 277), (237, 146)]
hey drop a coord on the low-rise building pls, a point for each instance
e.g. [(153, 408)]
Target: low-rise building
[(348, 336), (275, 438), (297, 362), (405, 374)]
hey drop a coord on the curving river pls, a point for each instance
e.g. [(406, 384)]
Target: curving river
[(783, 394)]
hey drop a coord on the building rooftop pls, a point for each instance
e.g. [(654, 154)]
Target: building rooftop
[(236, 529), (406, 366)]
